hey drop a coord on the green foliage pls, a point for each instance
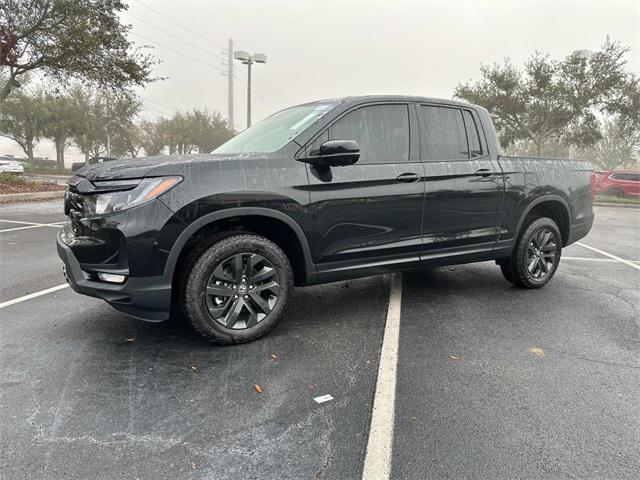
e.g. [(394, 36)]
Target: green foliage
[(190, 132), (558, 101), (105, 121), (21, 120), (153, 137), (618, 200), (61, 121), (69, 39)]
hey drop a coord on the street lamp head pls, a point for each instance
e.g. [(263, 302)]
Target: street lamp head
[(259, 58), (242, 55)]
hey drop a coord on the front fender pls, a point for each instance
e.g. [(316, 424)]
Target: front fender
[(209, 218)]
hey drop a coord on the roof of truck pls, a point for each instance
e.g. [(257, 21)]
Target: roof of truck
[(392, 98)]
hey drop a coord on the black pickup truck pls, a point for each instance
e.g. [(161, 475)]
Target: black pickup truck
[(320, 192)]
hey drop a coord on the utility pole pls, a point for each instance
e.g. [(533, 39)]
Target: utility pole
[(249, 94), (248, 60), (230, 83), (108, 128)]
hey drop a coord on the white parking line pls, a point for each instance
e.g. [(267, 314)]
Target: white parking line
[(590, 259), (20, 222), (601, 252), (377, 462), (33, 295), (33, 223), (29, 225)]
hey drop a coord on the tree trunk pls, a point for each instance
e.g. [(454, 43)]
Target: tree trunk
[(60, 154), (538, 143), (29, 152)]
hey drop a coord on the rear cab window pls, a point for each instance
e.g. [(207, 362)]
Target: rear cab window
[(451, 133)]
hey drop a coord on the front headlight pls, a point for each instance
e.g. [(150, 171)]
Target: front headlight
[(127, 194)]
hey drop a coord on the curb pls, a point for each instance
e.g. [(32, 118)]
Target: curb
[(615, 205), (29, 197)]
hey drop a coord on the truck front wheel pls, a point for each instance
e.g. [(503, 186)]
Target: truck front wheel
[(237, 289), (536, 255)]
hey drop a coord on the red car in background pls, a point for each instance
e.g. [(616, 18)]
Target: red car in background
[(618, 183)]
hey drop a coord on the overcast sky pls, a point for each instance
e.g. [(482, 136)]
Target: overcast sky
[(322, 49)]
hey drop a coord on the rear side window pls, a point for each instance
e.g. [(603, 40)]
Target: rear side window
[(629, 177), (382, 131), (445, 133), (475, 148)]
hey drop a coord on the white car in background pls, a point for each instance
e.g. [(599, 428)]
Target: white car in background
[(11, 166)]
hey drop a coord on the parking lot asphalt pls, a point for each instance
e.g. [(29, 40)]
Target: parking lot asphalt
[(492, 381)]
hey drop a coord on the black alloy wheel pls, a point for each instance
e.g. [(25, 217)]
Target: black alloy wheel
[(242, 290), (541, 253), (235, 287), (536, 255)]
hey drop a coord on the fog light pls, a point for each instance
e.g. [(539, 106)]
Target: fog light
[(111, 278)]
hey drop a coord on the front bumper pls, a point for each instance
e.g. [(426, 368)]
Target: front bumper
[(147, 298)]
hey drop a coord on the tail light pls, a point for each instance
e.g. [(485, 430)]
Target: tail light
[(593, 185)]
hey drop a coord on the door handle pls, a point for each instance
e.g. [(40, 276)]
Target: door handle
[(408, 177), (483, 172)]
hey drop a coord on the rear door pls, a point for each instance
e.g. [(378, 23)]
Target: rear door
[(368, 216), (462, 183), (630, 182)]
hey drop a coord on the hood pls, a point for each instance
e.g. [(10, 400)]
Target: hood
[(144, 167)]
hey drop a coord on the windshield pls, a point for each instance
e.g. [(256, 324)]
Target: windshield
[(275, 131)]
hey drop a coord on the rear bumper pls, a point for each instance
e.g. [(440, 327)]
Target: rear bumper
[(580, 229), (147, 298)]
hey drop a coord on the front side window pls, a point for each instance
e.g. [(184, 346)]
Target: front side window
[(382, 131), (276, 131), (445, 133)]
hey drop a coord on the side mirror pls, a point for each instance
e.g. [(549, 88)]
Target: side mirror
[(336, 153)]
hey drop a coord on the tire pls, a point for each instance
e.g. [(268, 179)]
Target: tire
[(615, 192), (236, 289), (505, 267), (536, 255)]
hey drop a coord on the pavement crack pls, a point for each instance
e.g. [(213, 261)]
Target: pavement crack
[(592, 360)]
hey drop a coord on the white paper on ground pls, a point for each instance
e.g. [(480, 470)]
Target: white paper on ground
[(323, 398)]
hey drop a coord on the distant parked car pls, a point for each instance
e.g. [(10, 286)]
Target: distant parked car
[(11, 166), (619, 183), (92, 161)]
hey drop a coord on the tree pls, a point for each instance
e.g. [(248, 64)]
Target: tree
[(555, 100), (615, 147), (104, 121), (207, 130), (61, 123), (21, 120), (197, 130), (77, 39), (153, 137), (127, 141)]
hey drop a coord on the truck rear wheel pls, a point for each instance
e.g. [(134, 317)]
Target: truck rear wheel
[(536, 255), (237, 289)]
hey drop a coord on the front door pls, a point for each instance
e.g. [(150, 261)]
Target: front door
[(462, 183), (367, 217)]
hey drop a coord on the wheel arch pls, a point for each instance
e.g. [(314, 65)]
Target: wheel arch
[(272, 224), (552, 206)]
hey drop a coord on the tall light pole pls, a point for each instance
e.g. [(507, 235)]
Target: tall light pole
[(230, 84), (249, 59)]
